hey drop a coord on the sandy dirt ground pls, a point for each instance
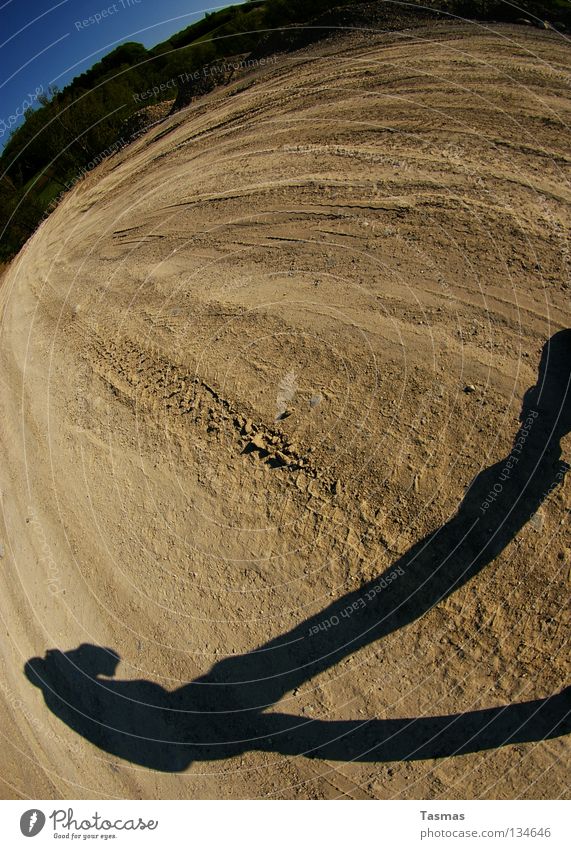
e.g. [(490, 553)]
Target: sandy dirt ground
[(247, 364)]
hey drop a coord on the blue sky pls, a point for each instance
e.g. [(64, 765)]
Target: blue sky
[(46, 42)]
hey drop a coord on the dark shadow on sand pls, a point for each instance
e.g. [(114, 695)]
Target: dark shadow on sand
[(222, 714)]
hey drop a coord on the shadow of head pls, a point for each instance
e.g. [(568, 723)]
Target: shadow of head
[(551, 395), (123, 718), (86, 660)]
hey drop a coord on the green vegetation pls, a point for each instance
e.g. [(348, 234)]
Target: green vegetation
[(71, 130)]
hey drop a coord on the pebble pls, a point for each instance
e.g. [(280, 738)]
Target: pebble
[(469, 388), (301, 481), (258, 441)]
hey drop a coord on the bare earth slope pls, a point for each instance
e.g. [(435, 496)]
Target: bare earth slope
[(353, 236)]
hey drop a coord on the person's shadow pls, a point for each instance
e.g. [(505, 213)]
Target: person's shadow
[(222, 714)]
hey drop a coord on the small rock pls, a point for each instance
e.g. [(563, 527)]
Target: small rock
[(248, 427), (469, 388), (313, 488), (258, 441)]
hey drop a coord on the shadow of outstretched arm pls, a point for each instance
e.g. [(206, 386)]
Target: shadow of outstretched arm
[(497, 504), (379, 740)]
